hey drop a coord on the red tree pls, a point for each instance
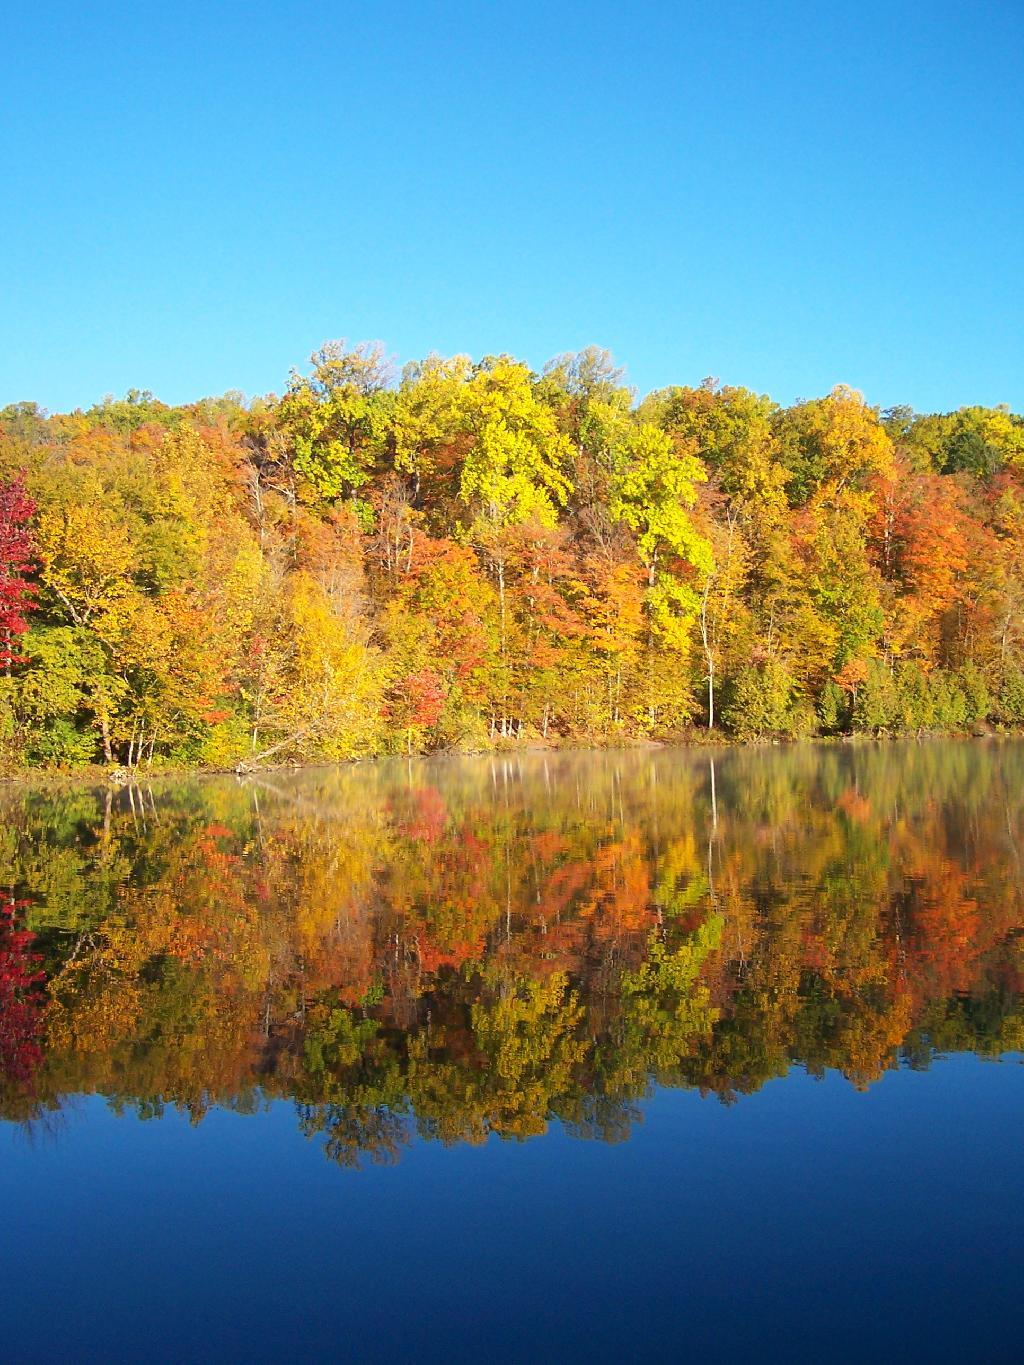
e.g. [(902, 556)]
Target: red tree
[(16, 553), (416, 700)]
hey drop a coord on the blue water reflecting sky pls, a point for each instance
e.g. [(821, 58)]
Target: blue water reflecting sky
[(808, 1221)]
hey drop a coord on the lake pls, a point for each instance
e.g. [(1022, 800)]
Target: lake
[(589, 1056)]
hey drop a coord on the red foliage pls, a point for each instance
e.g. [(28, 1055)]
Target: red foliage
[(16, 549), (21, 1003), (417, 699)]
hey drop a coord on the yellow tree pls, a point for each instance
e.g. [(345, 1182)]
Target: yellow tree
[(653, 489), (514, 473)]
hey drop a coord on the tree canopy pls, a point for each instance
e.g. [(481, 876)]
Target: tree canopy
[(470, 553)]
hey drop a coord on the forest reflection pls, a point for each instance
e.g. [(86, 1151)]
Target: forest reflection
[(456, 948)]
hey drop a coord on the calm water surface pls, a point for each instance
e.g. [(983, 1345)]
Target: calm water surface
[(592, 1057)]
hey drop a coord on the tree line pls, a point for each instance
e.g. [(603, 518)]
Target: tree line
[(471, 554)]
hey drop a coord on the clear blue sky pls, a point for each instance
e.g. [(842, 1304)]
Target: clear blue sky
[(784, 195)]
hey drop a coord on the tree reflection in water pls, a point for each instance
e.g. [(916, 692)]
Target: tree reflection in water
[(466, 947)]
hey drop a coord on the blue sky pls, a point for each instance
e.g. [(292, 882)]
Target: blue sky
[(783, 195)]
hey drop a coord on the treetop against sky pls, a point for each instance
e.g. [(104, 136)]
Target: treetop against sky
[(473, 554)]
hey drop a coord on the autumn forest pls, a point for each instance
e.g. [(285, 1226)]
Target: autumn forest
[(470, 555)]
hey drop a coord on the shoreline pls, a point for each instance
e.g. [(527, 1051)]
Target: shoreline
[(117, 777)]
